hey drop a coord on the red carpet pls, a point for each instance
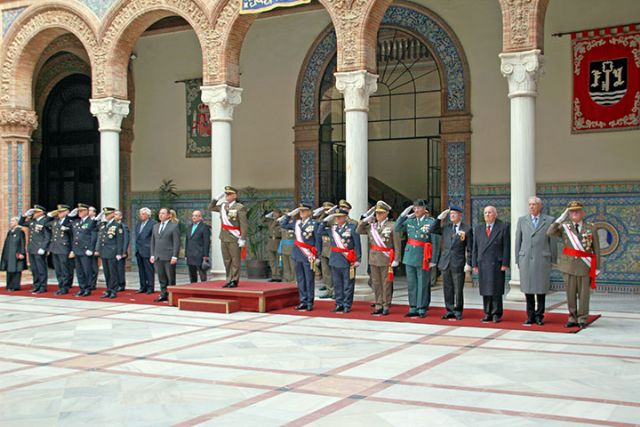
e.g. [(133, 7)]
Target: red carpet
[(127, 296), (512, 319)]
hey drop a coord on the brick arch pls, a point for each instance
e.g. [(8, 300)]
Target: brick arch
[(123, 26), (29, 36), (523, 24)]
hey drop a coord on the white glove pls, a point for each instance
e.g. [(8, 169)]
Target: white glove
[(598, 272), (467, 268), (99, 217), (406, 211), (294, 212), (29, 212), (395, 263), (241, 243), (50, 214), (73, 213), (118, 257), (332, 210), (329, 218), (563, 217), (370, 218), (356, 264), (444, 214), (152, 259), (282, 219), (316, 261), (221, 196), (318, 211), (432, 264), (269, 215), (370, 211), (411, 215), (88, 252), (40, 251), (221, 202)]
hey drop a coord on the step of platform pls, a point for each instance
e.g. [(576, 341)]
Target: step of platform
[(209, 305)]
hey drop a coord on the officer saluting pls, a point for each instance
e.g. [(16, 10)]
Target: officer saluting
[(60, 247), (39, 239), (233, 234), (84, 242), (109, 248), (320, 214)]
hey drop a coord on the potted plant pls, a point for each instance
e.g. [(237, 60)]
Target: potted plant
[(257, 208)]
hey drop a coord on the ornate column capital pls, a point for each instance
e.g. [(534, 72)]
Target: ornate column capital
[(356, 87), (110, 112), (522, 70), (221, 99), (17, 122)]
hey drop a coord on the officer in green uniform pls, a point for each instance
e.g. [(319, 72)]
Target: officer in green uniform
[(273, 244), (285, 250), (417, 255)]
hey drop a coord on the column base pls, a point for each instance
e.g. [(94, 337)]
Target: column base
[(515, 293), (362, 291), (218, 274)]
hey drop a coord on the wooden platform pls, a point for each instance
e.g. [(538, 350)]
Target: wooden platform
[(250, 296), (209, 305)]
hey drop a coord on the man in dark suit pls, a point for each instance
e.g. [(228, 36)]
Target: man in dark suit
[(490, 259), (455, 258), (197, 245), (39, 239), (109, 249), (146, 270), (165, 245), (60, 247), (84, 243), (122, 262)]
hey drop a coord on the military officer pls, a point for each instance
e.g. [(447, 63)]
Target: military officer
[(285, 251), (307, 246), (320, 214), (417, 255), (60, 247), (233, 234), (39, 239), (109, 247), (273, 244), (384, 253), (94, 260), (580, 261), (83, 244)]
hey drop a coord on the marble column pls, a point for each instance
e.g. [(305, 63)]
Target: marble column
[(221, 99), (356, 86), (522, 70), (110, 112)]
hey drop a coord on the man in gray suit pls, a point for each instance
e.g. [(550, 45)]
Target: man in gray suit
[(535, 252), (165, 244)]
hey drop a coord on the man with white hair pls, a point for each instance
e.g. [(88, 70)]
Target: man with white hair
[(143, 232), (535, 252)]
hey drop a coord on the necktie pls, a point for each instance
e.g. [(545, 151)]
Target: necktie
[(535, 222), (141, 227), (162, 227), (193, 228), (488, 229), (578, 228)]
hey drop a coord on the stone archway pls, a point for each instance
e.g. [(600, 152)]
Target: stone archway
[(456, 121)]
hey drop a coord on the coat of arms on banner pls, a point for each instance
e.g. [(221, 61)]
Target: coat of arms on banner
[(198, 121), (259, 6), (606, 79)]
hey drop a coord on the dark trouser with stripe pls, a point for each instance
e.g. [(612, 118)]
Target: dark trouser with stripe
[(84, 270), (94, 273), (492, 305), (453, 288), (61, 265), (533, 312), (39, 271), (110, 268), (121, 273), (166, 275), (306, 282), (342, 286), (419, 283)]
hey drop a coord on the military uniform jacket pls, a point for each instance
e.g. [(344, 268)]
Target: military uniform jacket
[(326, 240), (110, 240), (39, 233), (288, 236), (350, 239), (417, 229), (237, 214), (275, 234), (389, 236), (589, 239), (84, 237), (311, 234)]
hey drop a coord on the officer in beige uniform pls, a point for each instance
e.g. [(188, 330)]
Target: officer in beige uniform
[(273, 244), (384, 253), (233, 234), (285, 250), (320, 214), (579, 262)]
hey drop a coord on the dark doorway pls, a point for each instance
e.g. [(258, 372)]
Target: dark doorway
[(70, 162)]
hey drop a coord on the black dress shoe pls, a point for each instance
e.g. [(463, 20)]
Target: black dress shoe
[(161, 298), (63, 292), (57, 292), (140, 291), (347, 310), (310, 307), (527, 322), (377, 312), (323, 288), (385, 312), (233, 284), (105, 295), (326, 296), (41, 291), (79, 294), (120, 288), (411, 314), (571, 325), (338, 309), (301, 307), (112, 295), (448, 316), (582, 325), (226, 285), (539, 321), (422, 315), (85, 293), (149, 292), (497, 319), (458, 316), (486, 318)]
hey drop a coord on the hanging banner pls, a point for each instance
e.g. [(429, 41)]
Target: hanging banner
[(198, 121), (259, 6), (606, 79)]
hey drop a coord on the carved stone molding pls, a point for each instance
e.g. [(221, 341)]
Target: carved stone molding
[(110, 112), (356, 87), (522, 70), (221, 99)]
